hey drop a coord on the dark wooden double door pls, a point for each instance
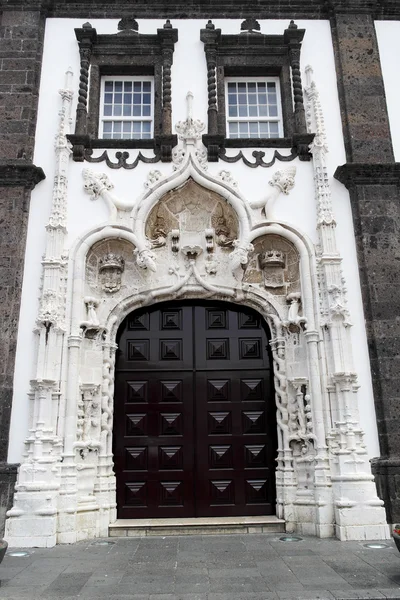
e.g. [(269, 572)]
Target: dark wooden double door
[(195, 426)]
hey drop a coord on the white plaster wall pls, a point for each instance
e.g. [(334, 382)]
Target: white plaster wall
[(388, 35), (188, 73)]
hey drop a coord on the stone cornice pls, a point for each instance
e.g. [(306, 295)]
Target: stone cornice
[(20, 173), (285, 9), (353, 174)]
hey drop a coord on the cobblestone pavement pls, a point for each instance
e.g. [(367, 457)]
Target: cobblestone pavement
[(230, 567)]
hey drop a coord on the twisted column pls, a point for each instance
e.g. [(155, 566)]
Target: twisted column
[(166, 93), (212, 92)]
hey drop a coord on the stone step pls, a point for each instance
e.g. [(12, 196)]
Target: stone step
[(196, 526)]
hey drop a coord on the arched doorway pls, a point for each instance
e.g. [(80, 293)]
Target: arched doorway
[(194, 422)]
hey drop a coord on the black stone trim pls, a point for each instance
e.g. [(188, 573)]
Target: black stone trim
[(253, 54), (259, 158), (8, 478), (195, 9), (122, 158), (20, 173), (124, 53), (387, 473), (353, 174)]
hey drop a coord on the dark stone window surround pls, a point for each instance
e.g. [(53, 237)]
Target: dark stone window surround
[(124, 53), (253, 54)]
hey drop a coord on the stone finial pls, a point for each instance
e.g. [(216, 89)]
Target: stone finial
[(250, 26), (210, 25), (167, 24), (128, 24), (292, 25), (87, 25)]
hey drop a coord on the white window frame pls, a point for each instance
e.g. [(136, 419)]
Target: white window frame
[(278, 119), (131, 119)]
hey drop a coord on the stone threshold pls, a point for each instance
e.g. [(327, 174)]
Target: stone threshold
[(196, 526)]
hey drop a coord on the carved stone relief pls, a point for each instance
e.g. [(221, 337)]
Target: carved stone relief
[(110, 265), (275, 265), (192, 210)]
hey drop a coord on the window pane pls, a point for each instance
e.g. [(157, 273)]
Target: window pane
[(137, 86), (137, 127), (108, 86), (232, 87), (146, 110), (251, 87), (271, 98), (147, 86), (243, 129), (253, 111), (108, 98), (117, 110), (241, 86), (117, 126), (137, 110), (128, 86), (233, 127), (127, 98), (264, 130), (126, 127), (273, 110), (263, 111), (243, 111), (261, 87), (252, 98), (273, 127), (242, 99), (271, 86), (233, 111), (107, 127), (146, 136), (232, 99), (118, 98), (118, 86), (146, 126), (262, 98), (107, 136), (146, 98), (127, 111), (107, 110)]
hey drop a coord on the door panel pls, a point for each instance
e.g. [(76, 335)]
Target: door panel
[(195, 428)]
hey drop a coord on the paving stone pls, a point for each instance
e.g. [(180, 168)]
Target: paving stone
[(66, 584)]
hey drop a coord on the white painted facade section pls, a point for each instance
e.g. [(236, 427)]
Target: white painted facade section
[(61, 502), (387, 33)]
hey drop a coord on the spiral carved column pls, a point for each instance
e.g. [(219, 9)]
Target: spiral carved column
[(166, 93), (212, 93), (86, 36), (299, 113)]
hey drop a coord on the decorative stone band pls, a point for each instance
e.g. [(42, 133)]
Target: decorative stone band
[(353, 174), (20, 173)]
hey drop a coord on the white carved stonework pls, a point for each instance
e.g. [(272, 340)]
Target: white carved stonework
[(191, 129), (226, 177), (282, 182), (111, 267), (190, 233)]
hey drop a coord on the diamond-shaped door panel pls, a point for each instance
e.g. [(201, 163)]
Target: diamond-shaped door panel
[(248, 321), (219, 423), (216, 319), (136, 494), (218, 390), (220, 457), (171, 424), (170, 349), (255, 456), (253, 421), (171, 493), (222, 492), (136, 458), (139, 322), (171, 391), (136, 424), (250, 348), (171, 319), (137, 391), (138, 350), (256, 491), (170, 457), (217, 349), (251, 389)]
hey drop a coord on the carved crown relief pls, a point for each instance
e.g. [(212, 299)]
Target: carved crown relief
[(275, 265), (110, 265), (191, 210)]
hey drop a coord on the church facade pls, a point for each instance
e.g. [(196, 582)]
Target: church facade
[(200, 264)]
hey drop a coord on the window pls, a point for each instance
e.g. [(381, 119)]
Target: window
[(253, 108), (126, 108)]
